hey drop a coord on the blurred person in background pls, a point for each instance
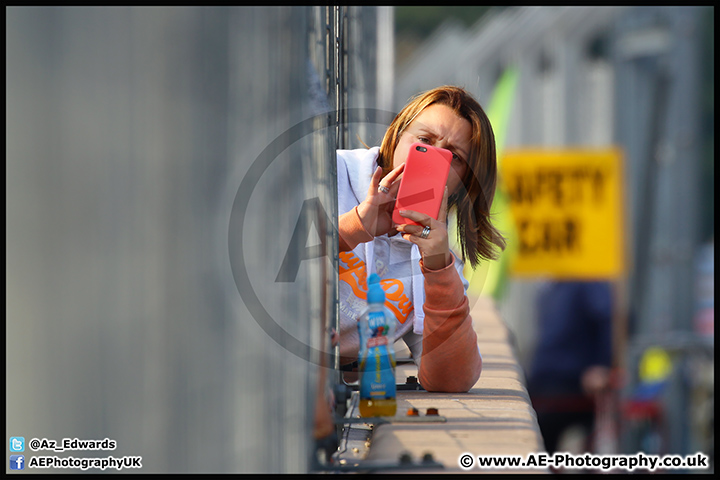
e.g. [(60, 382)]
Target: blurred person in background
[(423, 279), (572, 359)]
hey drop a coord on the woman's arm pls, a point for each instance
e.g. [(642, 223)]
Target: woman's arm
[(351, 231), (451, 360), (373, 217)]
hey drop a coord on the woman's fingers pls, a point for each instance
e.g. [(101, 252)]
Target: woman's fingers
[(375, 211), (375, 179), (395, 173), (414, 232), (418, 217), (394, 188), (392, 180), (407, 229), (433, 244)]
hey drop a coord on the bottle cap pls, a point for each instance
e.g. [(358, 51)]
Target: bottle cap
[(375, 292)]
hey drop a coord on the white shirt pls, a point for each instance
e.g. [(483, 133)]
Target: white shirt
[(394, 259)]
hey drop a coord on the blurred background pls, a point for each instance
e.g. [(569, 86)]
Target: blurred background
[(569, 79), (166, 166)]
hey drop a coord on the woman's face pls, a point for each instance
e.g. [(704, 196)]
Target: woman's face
[(439, 126)]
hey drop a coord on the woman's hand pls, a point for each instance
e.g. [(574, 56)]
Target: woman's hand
[(433, 245), (376, 210)]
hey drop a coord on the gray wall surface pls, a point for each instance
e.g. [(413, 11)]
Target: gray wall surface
[(154, 183)]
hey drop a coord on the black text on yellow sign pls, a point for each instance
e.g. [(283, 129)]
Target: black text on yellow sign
[(568, 210)]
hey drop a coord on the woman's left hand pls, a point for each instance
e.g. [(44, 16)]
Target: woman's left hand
[(433, 246)]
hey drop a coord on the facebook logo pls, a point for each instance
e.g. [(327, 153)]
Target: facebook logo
[(17, 444), (17, 462)]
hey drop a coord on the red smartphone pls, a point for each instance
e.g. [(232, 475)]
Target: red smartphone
[(423, 182)]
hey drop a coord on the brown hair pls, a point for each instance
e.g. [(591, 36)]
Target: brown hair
[(478, 237)]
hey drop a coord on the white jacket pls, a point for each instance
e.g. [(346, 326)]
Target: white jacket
[(394, 259)]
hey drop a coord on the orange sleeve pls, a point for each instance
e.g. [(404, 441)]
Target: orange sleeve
[(351, 231), (451, 360)]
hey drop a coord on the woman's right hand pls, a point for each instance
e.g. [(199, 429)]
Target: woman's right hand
[(376, 210)]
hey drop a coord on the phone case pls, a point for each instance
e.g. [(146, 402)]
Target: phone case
[(423, 181)]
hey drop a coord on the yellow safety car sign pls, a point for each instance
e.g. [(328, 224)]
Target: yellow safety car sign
[(568, 207)]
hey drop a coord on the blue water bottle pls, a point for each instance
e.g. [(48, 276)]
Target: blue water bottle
[(376, 327)]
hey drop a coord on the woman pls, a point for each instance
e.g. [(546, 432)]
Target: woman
[(422, 278)]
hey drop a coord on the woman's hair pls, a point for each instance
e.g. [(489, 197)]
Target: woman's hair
[(478, 237)]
